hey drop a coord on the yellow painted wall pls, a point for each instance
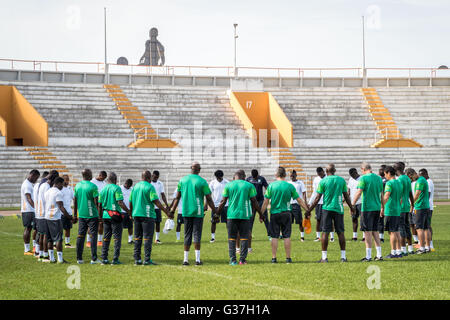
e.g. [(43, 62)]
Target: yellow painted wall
[(259, 110), (22, 119), (278, 120)]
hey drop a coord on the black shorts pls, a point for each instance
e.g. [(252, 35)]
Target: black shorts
[(127, 223), (54, 230), (412, 220), (180, 219), (223, 215), (238, 226), (318, 211), (392, 223), (28, 219), (41, 226), (158, 216), (405, 230), (430, 215), (280, 222), (421, 218), (370, 220), (66, 223), (330, 218), (357, 211), (192, 229), (381, 225), (296, 213)]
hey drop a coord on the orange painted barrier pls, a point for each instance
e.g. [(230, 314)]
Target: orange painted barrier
[(261, 116), (20, 122)]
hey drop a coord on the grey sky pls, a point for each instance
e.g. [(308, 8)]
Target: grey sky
[(285, 33)]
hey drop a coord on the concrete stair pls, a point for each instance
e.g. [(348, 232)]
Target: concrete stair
[(330, 125)]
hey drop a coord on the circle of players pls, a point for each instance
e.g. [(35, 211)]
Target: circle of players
[(394, 200)]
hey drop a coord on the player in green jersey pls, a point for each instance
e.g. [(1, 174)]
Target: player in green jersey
[(391, 210), (85, 206), (406, 208), (332, 188), (241, 196), (280, 193), (370, 189), (421, 210), (143, 200), (110, 205), (192, 189)]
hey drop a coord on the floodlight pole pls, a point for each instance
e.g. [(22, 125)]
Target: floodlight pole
[(106, 57), (235, 52), (364, 55)]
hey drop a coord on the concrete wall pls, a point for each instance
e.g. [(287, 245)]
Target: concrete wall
[(219, 81), (21, 120)]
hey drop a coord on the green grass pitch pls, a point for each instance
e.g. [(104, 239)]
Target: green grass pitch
[(413, 277)]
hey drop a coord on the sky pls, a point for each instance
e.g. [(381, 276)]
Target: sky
[(275, 33)]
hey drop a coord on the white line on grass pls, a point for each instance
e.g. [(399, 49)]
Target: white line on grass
[(254, 283), (11, 234)]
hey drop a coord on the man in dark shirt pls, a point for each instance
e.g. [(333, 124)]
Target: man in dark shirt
[(261, 185)]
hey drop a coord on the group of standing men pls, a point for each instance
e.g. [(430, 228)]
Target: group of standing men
[(103, 209)]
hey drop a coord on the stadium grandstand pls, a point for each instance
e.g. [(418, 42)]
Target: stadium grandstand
[(166, 118)]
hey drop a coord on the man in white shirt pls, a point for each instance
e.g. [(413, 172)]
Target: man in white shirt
[(217, 185), (296, 210), (41, 223), (180, 220), (127, 223), (67, 193), (54, 209), (352, 184), (320, 175), (100, 182), (159, 186), (27, 208), (424, 173), (36, 212)]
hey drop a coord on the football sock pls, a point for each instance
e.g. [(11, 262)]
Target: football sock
[(379, 255), (343, 254), (52, 254), (410, 249), (60, 256), (302, 234), (178, 235), (186, 256), (355, 234), (213, 235), (324, 255), (100, 237), (416, 238), (368, 253), (27, 247), (67, 239), (431, 244), (157, 235), (130, 238), (197, 255)]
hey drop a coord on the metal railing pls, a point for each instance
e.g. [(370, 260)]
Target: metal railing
[(226, 71), (145, 134)]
